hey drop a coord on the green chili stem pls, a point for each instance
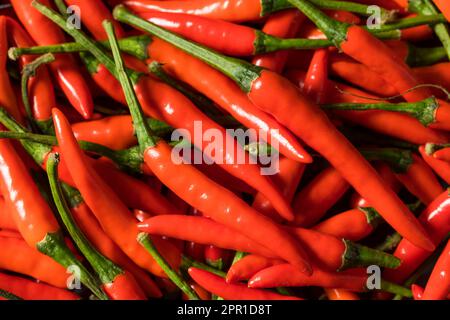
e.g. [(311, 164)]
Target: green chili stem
[(62, 8), (187, 263), (396, 289), (238, 256), (398, 159), (29, 71), (146, 242), (8, 295), (105, 268), (390, 243), (424, 111), (135, 45), (431, 148), (356, 255), (418, 57), (410, 23), (361, 9)]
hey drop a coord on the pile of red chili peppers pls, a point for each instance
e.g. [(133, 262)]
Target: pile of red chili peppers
[(351, 104)]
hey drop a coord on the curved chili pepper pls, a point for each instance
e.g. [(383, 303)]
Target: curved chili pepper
[(91, 228), (201, 230), (284, 24), (40, 86), (441, 168), (221, 288), (117, 283), (394, 124), (436, 219), (30, 290), (443, 154), (17, 256), (354, 225), (114, 217), (32, 215), (438, 285), (318, 196), (65, 68), (248, 266), (7, 95), (279, 97)]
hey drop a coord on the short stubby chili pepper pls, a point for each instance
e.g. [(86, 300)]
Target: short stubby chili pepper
[(318, 196), (440, 167), (436, 219), (90, 226), (40, 87), (221, 288), (150, 94), (112, 214), (279, 97), (393, 124), (33, 216), (7, 96), (357, 42), (17, 256), (237, 11), (65, 68), (117, 283), (438, 285), (30, 290)]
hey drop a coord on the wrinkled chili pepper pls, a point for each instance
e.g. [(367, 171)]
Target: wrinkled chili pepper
[(65, 68), (305, 120)]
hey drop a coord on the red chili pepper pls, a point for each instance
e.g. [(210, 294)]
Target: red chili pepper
[(6, 220), (438, 285), (339, 294), (434, 74), (442, 154), (316, 82), (40, 87), (442, 168), (284, 24), (65, 68), (29, 290), (248, 266), (394, 124), (202, 293), (114, 217), (280, 98), (219, 287), (215, 256), (17, 256), (7, 95), (444, 7), (317, 197), (436, 219)]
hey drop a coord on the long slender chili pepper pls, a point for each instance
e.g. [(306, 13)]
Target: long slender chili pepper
[(248, 266), (318, 196), (444, 7), (353, 224), (393, 124), (441, 168), (436, 219), (17, 256), (279, 97), (33, 216), (239, 11), (91, 228), (118, 284), (30, 290), (113, 215), (286, 275), (135, 193), (40, 88), (284, 24), (221, 288), (65, 68), (202, 230), (7, 96), (356, 42), (438, 285), (183, 114), (219, 35), (431, 112)]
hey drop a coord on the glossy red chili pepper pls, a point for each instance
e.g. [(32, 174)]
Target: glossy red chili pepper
[(442, 154), (441, 168), (284, 24), (438, 285), (316, 82), (40, 87), (30, 290), (203, 231), (65, 68), (215, 256), (393, 124), (17, 256), (339, 294), (7, 95), (280, 98), (114, 217), (219, 287), (6, 220), (248, 266), (436, 219), (318, 196)]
